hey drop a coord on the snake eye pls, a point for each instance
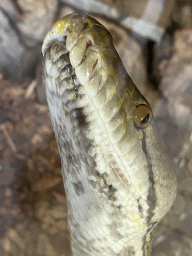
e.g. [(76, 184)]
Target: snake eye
[(142, 116)]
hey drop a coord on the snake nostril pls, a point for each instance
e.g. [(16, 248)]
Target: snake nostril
[(85, 25), (64, 38)]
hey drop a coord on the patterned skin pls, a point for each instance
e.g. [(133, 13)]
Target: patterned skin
[(118, 179)]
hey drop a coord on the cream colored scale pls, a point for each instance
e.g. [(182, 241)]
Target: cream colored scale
[(118, 180)]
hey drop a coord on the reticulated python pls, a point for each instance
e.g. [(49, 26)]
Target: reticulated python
[(118, 180)]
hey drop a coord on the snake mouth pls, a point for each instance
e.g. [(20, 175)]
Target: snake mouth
[(68, 70)]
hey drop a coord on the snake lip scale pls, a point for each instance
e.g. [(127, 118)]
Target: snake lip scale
[(118, 179)]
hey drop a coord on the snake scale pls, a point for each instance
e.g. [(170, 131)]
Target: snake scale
[(118, 180)]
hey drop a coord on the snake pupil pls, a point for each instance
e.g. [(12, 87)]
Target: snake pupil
[(145, 119)]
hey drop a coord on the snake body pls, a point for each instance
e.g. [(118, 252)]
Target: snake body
[(118, 180)]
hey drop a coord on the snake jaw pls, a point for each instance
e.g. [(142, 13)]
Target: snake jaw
[(109, 165)]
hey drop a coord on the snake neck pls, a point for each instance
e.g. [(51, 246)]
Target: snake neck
[(97, 217)]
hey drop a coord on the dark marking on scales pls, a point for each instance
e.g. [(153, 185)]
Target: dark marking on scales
[(151, 198), (78, 187)]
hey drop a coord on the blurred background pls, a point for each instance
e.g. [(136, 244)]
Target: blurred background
[(154, 40)]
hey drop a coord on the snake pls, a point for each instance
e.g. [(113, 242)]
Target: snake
[(119, 181)]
